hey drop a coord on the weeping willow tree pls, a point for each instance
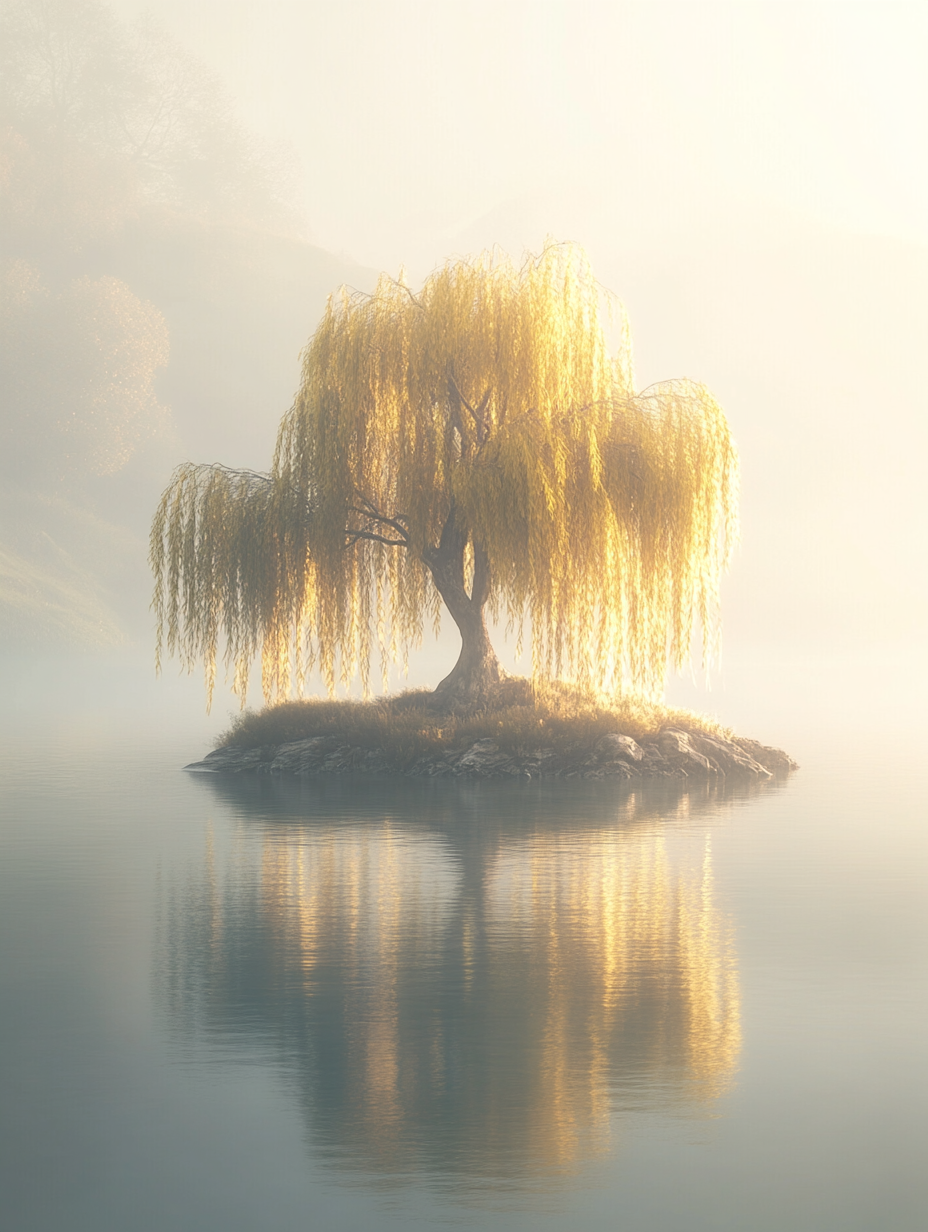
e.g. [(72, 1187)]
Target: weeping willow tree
[(475, 446)]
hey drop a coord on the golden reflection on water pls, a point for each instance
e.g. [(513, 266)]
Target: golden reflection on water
[(488, 1006), (635, 978)]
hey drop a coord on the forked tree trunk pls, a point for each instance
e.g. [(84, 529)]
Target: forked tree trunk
[(477, 671)]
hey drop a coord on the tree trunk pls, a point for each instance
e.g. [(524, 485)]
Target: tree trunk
[(477, 671)]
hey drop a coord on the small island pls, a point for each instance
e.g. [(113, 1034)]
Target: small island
[(476, 448), (522, 731)]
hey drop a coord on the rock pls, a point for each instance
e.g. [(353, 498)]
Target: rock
[(613, 756), (729, 757), (672, 754), (774, 760), (654, 764), (374, 761), (431, 767), (482, 759), (230, 760), (300, 756), (683, 757), (613, 770), (615, 747)]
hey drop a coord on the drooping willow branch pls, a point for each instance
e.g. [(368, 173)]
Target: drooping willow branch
[(489, 402)]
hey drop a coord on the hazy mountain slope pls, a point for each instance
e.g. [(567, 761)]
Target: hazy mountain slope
[(154, 298), (59, 569), (238, 306)]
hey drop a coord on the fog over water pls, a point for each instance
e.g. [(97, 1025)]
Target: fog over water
[(182, 184)]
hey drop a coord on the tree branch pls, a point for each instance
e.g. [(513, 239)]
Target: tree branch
[(370, 511), (478, 414), (355, 535), (261, 476), (396, 282)]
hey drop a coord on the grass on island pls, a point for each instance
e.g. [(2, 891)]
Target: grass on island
[(521, 717)]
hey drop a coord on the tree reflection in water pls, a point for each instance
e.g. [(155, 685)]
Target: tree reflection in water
[(463, 978)]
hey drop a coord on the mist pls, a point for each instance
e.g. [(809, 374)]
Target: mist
[(509, 990), (749, 179)]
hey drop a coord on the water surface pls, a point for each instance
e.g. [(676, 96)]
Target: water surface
[(243, 1003)]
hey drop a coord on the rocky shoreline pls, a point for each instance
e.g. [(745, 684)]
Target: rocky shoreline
[(671, 754)]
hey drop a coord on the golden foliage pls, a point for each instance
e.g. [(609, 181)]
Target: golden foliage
[(490, 397)]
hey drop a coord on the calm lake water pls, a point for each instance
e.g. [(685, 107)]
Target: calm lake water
[(372, 1005)]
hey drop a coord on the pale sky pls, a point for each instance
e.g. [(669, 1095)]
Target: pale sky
[(415, 120)]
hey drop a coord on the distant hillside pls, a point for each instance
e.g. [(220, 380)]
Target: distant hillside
[(154, 299), (238, 306)]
